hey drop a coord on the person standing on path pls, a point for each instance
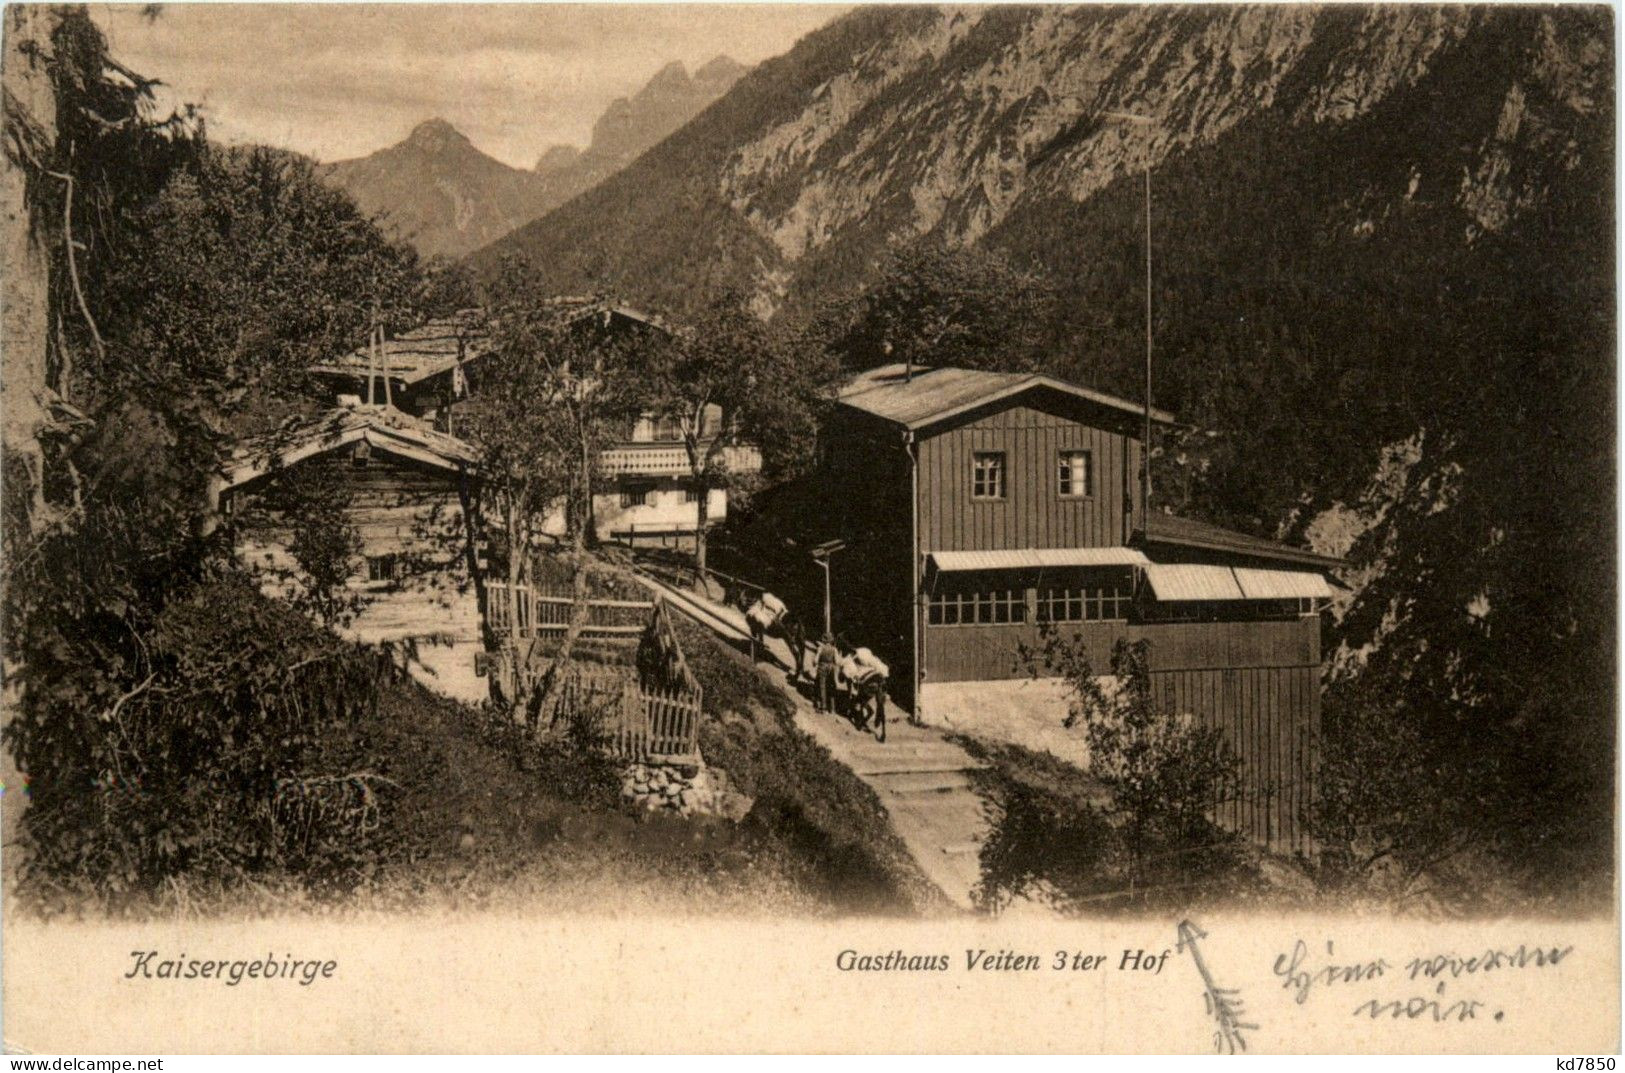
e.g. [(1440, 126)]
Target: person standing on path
[(826, 660)]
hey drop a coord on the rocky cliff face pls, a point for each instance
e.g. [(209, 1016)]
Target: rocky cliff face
[(631, 125), (446, 197), (889, 125)]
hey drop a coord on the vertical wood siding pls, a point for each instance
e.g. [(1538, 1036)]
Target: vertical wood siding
[(1271, 717), (1033, 513), (1257, 681), (980, 653)]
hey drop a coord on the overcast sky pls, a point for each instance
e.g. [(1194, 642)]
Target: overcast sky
[(341, 80)]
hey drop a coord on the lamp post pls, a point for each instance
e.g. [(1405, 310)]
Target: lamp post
[(821, 555)]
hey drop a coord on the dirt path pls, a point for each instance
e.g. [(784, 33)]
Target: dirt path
[(922, 779)]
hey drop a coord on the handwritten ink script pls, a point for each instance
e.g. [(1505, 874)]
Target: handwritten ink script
[(1423, 987), (1223, 1004)]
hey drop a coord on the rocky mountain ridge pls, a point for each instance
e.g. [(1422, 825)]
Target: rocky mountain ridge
[(440, 192), (895, 124)]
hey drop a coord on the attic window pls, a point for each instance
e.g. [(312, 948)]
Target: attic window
[(361, 455)]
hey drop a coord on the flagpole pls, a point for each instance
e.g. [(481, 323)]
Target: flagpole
[(1145, 155)]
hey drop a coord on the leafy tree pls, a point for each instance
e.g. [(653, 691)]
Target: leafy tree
[(165, 705), (553, 396), (727, 380), (1163, 772), (933, 305), (245, 270)]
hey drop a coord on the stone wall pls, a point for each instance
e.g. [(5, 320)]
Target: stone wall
[(684, 789)]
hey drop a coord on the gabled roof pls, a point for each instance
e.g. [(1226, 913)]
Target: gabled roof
[(439, 345), (1190, 533), (304, 437), (932, 395)]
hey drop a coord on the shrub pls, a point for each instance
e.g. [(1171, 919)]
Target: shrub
[(1043, 840), (225, 748), (1161, 772)]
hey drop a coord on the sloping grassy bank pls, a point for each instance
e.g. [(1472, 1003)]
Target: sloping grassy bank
[(822, 817)]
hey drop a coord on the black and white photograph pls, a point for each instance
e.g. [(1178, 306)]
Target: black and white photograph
[(707, 518)]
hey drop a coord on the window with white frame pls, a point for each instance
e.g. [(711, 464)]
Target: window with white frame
[(1074, 476), (987, 475), (691, 493), (978, 606), (1103, 598)]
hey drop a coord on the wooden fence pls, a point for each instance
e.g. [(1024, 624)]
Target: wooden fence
[(549, 612), (635, 722), (644, 709)]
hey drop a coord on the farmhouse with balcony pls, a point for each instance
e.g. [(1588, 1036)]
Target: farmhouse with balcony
[(978, 507), (428, 371)]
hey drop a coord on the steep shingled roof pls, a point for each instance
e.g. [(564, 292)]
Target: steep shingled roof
[(441, 344), (931, 395), (304, 437)]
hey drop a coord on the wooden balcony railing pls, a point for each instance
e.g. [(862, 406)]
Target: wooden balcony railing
[(670, 459)]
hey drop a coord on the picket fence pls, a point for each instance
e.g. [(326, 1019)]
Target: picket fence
[(634, 722)]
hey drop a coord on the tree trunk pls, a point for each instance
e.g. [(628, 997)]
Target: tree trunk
[(578, 552), (702, 515), (515, 563), (30, 121)]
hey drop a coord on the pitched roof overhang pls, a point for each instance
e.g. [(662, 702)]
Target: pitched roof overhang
[(1172, 531), (930, 396), (384, 429), (1037, 558)]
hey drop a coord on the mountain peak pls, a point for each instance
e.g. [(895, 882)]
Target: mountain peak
[(721, 70), (435, 136), (672, 76), (557, 158)]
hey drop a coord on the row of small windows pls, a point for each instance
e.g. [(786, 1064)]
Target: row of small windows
[(1096, 603), (1231, 610), (1107, 601), (641, 495), (1074, 474), (993, 607), (1103, 602)]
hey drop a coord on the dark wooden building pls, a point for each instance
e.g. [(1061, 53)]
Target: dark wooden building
[(402, 490), (432, 370), (980, 506)]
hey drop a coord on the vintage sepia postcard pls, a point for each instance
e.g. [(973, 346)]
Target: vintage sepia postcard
[(809, 528)]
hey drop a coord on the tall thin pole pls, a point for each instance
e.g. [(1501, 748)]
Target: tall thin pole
[(1146, 519), (825, 565), (1145, 478)]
